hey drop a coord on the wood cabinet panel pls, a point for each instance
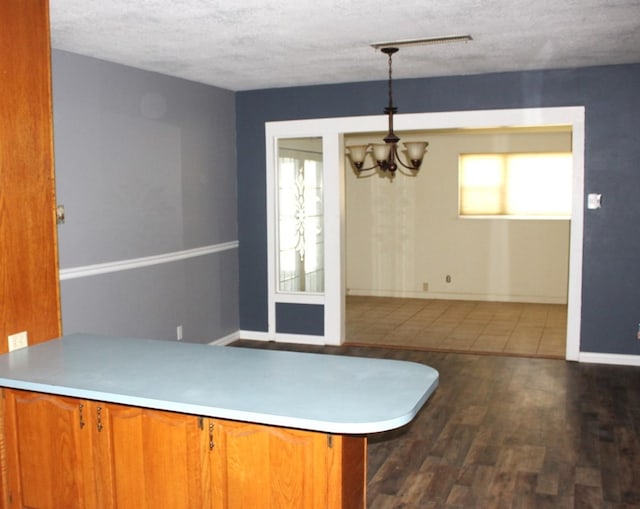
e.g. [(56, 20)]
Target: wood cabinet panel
[(269, 467), (48, 451), (29, 287), (148, 458), (352, 474)]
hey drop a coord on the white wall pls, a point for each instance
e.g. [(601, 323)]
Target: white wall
[(406, 232)]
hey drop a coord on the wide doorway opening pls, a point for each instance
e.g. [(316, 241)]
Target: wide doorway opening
[(328, 309), (428, 268)]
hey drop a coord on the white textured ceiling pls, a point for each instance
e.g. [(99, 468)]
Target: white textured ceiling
[(253, 44)]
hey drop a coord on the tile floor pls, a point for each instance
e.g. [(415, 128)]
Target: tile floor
[(508, 328)]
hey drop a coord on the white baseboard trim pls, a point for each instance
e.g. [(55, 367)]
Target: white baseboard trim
[(135, 263), (609, 358), (458, 296), (254, 335), (229, 338), (302, 339)]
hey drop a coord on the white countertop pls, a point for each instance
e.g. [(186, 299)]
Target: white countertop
[(329, 393)]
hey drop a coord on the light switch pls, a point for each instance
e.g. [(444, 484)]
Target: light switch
[(594, 201)]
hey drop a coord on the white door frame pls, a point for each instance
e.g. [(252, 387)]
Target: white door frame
[(332, 131)]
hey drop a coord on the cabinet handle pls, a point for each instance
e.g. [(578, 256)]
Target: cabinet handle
[(81, 406), (99, 418), (211, 444)]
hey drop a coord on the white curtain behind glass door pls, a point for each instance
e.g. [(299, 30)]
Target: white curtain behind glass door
[(300, 221)]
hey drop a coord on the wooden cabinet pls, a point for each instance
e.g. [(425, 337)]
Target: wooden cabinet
[(69, 453), (47, 452), (28, 238), (61, 452), (148, 459), (267, 467)]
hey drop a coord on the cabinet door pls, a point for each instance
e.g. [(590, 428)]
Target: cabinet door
[(29, 286), (148, 458), (48, 452), (280, 468)]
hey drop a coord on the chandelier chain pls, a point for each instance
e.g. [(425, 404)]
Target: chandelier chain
[(390, 83)]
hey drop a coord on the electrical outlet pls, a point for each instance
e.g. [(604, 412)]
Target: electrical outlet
[(18, 340), (179, 332), (448, 278), (425, 287)]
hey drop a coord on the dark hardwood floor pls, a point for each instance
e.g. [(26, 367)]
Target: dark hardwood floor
[(507, 432)]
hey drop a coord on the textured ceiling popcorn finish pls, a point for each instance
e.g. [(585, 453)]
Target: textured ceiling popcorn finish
[(255, 44)]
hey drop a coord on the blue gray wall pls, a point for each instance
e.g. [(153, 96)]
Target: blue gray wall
[(145, 166), (611, 267)]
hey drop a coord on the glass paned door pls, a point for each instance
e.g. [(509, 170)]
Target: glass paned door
[(300, 215)]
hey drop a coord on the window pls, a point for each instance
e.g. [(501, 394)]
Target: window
[(300, 216), (516, 184)]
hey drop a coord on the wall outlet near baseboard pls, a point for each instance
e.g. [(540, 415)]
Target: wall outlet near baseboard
[(425, 287), (18, 340), (179, 332)]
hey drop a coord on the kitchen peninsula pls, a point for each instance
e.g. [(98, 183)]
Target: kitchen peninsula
[(93, 422)]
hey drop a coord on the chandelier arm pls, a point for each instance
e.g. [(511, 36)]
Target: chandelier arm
[(397, 158), (367, 169), (366, 175)]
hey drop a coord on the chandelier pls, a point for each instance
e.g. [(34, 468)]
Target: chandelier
[(386, 154)]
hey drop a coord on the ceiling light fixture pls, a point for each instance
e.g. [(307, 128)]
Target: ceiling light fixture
[(386, 154), (422, 42)]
